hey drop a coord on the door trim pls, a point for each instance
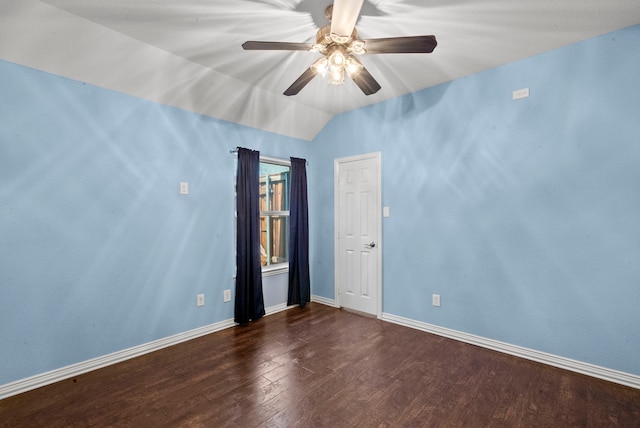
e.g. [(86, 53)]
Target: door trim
[(336, 203)]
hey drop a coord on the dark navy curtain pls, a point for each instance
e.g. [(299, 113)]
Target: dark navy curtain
[(249, 304), (299, 283)]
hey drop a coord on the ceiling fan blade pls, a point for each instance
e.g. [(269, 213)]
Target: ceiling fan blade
[(344, 16), (412, 44), (366, 82), (276, 46), (301, 82)]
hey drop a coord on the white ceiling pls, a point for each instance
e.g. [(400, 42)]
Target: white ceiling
[(188, 54)]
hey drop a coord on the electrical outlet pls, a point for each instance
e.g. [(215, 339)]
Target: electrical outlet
[(227, 295), (435, 299), (200, 300), (520, 93)]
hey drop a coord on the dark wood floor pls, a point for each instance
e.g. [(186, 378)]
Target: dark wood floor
[(319, 367)]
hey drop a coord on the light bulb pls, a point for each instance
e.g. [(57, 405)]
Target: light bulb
[(320, 66), (336, 61), (353, 66), (336, 76)]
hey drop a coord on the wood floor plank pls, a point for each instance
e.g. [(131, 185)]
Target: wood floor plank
[(321, 366)]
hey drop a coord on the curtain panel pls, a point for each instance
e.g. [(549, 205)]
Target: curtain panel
[(299, 283), (249, 302)]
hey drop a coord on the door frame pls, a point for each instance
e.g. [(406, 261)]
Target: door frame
[(377, 156)]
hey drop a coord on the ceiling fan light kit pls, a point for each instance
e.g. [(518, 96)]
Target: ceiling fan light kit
[(339, 44), (336, 65)]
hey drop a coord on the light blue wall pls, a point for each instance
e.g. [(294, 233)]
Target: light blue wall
[(98, 251), (523, 215)]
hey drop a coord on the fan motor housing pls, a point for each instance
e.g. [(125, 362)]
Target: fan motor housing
[(323, 36)]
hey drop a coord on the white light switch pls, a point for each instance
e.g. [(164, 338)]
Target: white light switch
[(385, 211), (435, 300), (184, 188)]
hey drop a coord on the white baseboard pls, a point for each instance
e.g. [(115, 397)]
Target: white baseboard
[(43, 379), (604, 373), (276, 308), (324, 301)]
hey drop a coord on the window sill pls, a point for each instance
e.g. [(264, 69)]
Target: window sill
[(275, 270)]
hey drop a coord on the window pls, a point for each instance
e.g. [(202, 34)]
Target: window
[(274, 212)]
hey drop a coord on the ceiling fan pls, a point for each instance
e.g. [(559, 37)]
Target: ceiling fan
[(339, 44)]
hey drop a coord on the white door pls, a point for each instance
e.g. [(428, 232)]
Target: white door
[(358, 230)]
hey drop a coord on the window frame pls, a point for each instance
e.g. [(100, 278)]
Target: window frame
[(274, 269)]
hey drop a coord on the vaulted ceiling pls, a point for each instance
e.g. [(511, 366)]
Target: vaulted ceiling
[(188, 53)]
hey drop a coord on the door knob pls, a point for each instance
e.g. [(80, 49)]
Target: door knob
[(371, 245)]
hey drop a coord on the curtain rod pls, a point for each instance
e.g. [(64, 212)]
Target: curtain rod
[(266, 157)]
